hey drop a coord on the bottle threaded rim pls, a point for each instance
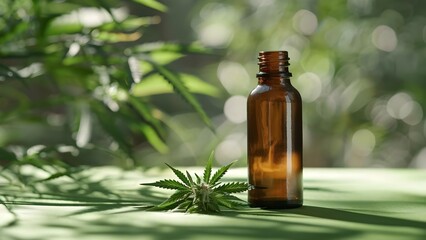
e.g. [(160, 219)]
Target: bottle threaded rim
[(273, 62)]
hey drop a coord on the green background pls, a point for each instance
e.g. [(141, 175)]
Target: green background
[(92, 82)]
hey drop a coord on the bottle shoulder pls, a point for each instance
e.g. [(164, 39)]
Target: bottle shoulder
[(278, 92)]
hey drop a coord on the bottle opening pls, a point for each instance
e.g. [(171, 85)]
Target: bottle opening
[(273, 63)]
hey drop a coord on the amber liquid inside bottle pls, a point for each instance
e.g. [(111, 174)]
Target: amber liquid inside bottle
[(274, 132)]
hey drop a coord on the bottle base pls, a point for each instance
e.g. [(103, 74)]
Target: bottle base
[(276, 204)]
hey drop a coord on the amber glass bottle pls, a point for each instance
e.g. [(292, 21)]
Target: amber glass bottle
[(274, 134)]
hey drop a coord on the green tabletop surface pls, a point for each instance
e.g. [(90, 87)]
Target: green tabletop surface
[(108, 203)]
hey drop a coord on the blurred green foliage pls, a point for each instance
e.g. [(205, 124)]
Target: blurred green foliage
[(357, 63), (70, 81), (96, 84)]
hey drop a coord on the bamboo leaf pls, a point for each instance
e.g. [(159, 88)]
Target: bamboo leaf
[(165, 57), (193, 48), (106, 120), (153, 4), (153, 138), (151, 127), (196, 85), (117, 37), (129, 80), (130, 24), (153, 85), (59, 8), (145, 112), (181, 89), (62, 28), (13, 30)]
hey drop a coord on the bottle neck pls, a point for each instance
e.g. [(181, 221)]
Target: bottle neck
[(273, 80)]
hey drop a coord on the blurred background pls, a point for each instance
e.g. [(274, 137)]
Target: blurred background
[(143, 82)]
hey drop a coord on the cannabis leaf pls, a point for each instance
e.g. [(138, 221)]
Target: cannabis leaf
[(203, 195)]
